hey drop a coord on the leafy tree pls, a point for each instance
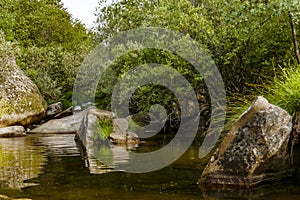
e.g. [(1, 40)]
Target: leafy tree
[(53, 70), (248, 38), (42, 23), (52, 44)]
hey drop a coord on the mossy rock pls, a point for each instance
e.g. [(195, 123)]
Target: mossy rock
[(20, 99)]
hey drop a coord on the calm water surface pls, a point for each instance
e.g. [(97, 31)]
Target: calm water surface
[(52, 167)]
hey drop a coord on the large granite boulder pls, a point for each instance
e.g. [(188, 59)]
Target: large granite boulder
[(20, 99), (256, 150)]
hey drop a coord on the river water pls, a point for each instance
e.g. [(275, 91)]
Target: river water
[(53, 167)]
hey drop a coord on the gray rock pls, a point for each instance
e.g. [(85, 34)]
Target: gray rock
[(54, 109), (77, 108), (89, 123), (256, 150), (12, 131), (107, 154), (66, 125), (20, 99), (4, 197), (121, 134)]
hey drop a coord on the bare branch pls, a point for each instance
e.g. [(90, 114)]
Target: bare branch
[(294, 34)]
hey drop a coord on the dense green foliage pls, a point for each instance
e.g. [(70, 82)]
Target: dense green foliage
[(51, 44), (41, 23), (248, 40)]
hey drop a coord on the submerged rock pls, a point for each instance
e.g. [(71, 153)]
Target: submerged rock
[(256, 150), (12, 131), (20, 99)]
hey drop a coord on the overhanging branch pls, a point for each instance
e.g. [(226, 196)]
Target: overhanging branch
[(294, 34)]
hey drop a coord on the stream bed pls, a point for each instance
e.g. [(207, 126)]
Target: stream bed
[(52, 167)]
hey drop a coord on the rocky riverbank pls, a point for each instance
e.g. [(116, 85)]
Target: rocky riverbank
[(259, 148)]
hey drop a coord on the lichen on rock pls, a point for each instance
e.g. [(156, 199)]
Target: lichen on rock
[(256, 150), (20, 100)]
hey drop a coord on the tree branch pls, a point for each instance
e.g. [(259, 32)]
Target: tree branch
[(294, 34)]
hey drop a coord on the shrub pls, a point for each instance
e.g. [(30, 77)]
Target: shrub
[(53, 70)]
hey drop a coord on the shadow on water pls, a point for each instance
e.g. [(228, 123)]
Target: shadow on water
[(53, 167)]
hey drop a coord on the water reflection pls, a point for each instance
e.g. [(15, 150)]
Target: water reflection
[(20, 160), (54, 168), (105, 157)]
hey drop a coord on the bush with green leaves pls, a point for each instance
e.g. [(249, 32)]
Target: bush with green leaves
[(285, 90), (53, 70), (41, 23), (47, 43), (248, 40)]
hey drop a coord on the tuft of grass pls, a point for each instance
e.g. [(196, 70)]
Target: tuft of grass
[(286, 90), (103, 129), (283, 91)]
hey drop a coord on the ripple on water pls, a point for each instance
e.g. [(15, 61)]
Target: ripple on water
[(55, 168)]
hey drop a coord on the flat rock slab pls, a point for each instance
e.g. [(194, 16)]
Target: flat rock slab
[(12, 131), (256, 150), (66, 125)]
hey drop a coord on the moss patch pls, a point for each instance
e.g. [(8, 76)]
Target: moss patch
[(5, 108), (32, 102)]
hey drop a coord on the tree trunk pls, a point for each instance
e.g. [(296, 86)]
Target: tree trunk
[(294, 34)]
